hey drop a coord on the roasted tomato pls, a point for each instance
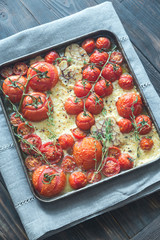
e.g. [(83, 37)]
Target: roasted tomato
[(111, 167), (85, 120), (53, 152), (6, 72), (25, 129), (125, 161), (68, 164), (126, 81), (99, 58), (112, 72), (13, 87), (146, 143), (47, 76), (87, 153), (77, 133), (129, 104), (116, 57), (82, 88), (15, 120), (77, 180), (31, 143), (88, 45), (20, 68), (103, 43), (93, 176), (103, 88), (66, 141), (114, 152), (94, 104), (144, 124), (48, 181), (32, 163), (91, 73), (125, 125), (74, 105), (51, 57)]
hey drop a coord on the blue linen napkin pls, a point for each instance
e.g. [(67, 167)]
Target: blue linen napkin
[(43, 219)]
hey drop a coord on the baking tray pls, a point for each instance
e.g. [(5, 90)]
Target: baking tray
[(60, 47)]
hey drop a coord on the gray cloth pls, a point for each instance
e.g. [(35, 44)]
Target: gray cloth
[(40, 218)]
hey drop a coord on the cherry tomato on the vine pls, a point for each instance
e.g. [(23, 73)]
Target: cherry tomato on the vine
[(51, 57), (88, 45), (74, 105), (103, 43), (146, 143), (53, 152), (112, 72), (85, 120), (125, 125), (126, 81), (144, 124), (103, 88), (125, 161), (91, 73), (99, 58), (94, 104), (116, 57), (82, 88), (31, 143)]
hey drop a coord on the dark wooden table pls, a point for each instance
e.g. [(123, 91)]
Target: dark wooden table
[(139, 220)]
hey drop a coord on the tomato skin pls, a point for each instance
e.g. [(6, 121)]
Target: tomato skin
[(111, 167), (38, 83), (53, 188), (6, 72), (125, 125), (85, 120), (125, 161), (92, 177), (99, 58), (20, 68), (103, 43), (112, 72), (146, 143), (114, 152), (51, 57), (68, 164), (87, 153), (91, 73), (77, 180), (15, 121), (24, 129), (77, 133), (94, 104), (32, 163), (125, 103), (126, 81), (33, 139), (116, 57), (88, 45), (14, 93), (144, 124), (53, 152), (103, 88), (66, 141), (82, 88), (73, 106), (36, 113)]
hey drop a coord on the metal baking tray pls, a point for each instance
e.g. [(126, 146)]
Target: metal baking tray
[(60, 47)]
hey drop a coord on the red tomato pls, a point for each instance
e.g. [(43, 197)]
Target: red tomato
[(103, 43), (126, 81), (20, 69), (91, 73), (15, 120), (116, 57), (94, 104), (127, 103), (144, 124), (13, 87), (111, 167), (146, 143), (6, 72), (114, 152), (66, 141), (77, 180), (125, 125), (99, 58), (32, 163), (88, 45), (112, 72), (24, 129), (125, 161), (51, 57), (77, 133), (103, 88), (53, 152), (74, 105), (93, 177), (35, 106), (31, 141), (47, 79), (47, 181), (68, 164), (85, 120), (82, 88)]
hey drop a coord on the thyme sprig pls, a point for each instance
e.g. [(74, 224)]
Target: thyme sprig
[(48, 178)]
